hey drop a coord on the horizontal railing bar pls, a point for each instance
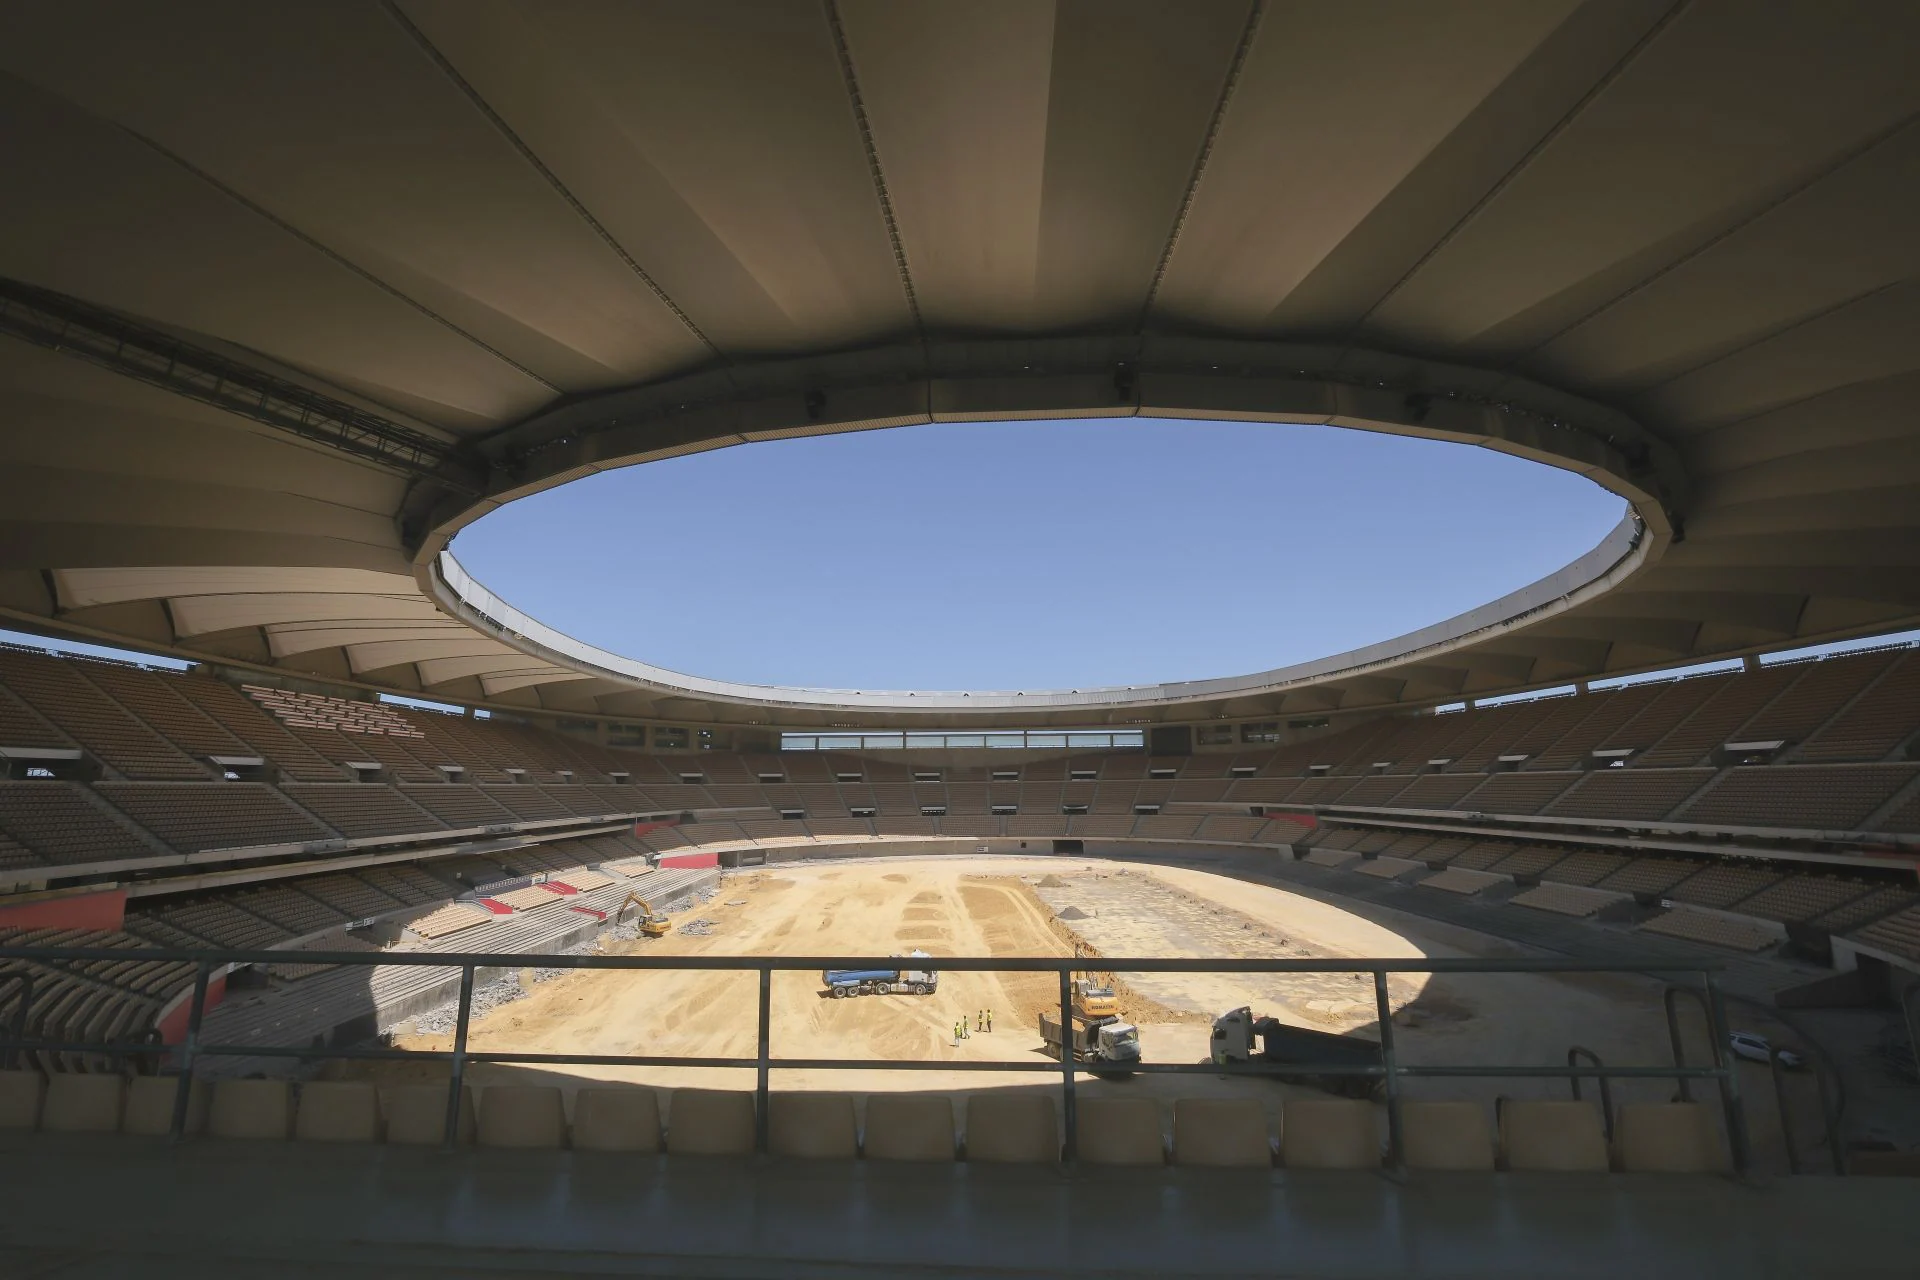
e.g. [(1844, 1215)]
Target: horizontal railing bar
[(1049, 1065), (953, 964)]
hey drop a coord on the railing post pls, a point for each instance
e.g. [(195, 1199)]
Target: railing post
[(1729, 1076), (457, 1079), (1669, 998), (183, 1092), (760, 1090), (1396, 1148), (1574, 1054), (1069, 1110), (1778, 1070), (24, 980)]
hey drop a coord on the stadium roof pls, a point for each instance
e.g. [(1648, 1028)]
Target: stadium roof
[(293, 293)]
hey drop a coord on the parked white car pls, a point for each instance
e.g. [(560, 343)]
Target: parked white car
[(1753, 1048)]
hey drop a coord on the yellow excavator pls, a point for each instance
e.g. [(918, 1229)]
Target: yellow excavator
[(652, 924), (1093, 993)]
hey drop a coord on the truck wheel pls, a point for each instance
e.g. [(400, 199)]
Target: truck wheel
[(920, 988), (839, 993)]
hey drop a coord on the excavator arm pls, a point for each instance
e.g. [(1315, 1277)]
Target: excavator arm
[(652, 924)]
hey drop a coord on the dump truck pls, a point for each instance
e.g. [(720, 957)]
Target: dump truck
[(1108, 1046), (1234, 1034), (653, 924), (842, 983)]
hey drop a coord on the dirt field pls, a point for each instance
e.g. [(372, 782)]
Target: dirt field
[(995, 906)]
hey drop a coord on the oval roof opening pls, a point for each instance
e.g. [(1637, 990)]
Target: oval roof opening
[(1032, 555)]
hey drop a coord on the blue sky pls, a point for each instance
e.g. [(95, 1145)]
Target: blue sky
[(1032, 555)]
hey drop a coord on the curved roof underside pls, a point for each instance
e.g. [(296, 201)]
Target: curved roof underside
[(500, 245)]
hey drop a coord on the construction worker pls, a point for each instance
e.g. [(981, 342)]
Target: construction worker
[(956, 1035), (980, 1020), (989, 1021)]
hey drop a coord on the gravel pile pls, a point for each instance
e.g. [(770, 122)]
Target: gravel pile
[(698, 928)]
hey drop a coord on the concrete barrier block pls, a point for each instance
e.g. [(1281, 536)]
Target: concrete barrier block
[(1012, 1128), (1668, 1137), (416, 1114), (251, 1109), (1553, 1137), (21, 1093), (710, 1122), (909, 1126), (1221, 1133), (338, 1111), (91, 1103), (812, 1126), (620, 1119), (1123, 1131), (150, 1106), (523, 1116), (1330, 1133)]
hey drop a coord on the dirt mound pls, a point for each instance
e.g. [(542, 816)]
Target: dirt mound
[(1071, 913), (1052, 882)]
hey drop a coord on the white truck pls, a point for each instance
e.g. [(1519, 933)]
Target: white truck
[(1108, 1046)]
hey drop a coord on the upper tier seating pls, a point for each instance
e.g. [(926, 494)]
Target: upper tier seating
[(56, 689), (1630, 794), (225, 816), (1820, 797), (20, 726), (152, 697), (57, 823), (459, 804), (1876, 723), (1718, 719), (361, 809), (1822, 688)]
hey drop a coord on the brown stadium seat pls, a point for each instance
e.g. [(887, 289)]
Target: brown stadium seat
[(416, 1114), (1122, 1131), (1329, 1133), (338, 1111), (1446, 1136), (84, 1103), (150, 1102), (1012, 1128), (813, 1126), (617, 1119), (905, 1126), (710, 1122), (522, 1116), (1221, 1133), (1667, 1137), (253, 1109), (1552, 1137), (20, 1096)]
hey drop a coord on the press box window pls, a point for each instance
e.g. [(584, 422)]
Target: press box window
[(1260, 731), (670, 739)]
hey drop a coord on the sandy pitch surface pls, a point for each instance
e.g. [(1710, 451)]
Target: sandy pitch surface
[(993, 906)]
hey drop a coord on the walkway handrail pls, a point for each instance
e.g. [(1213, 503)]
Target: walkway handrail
[(1389, 1067)]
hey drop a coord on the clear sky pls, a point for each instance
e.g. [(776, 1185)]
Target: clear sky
[(1032, 555)]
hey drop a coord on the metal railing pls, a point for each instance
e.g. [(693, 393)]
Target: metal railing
[(1389, 1069)]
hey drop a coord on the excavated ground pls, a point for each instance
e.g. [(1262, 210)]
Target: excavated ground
[(1009, 907)]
